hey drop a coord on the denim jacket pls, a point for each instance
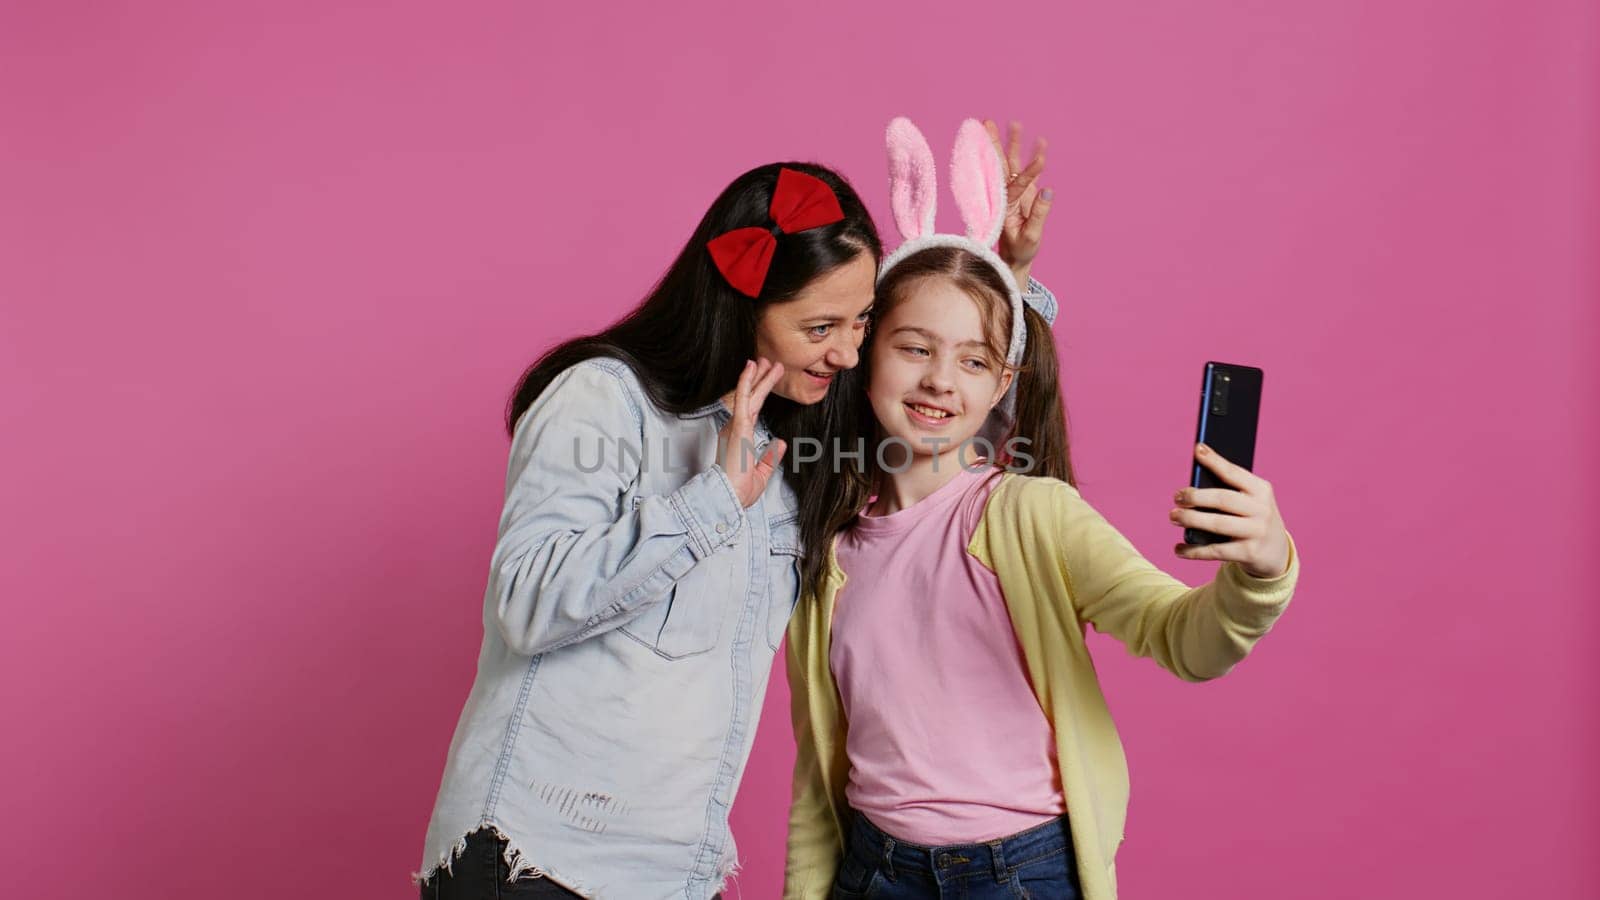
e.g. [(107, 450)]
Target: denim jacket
[(631, 617)]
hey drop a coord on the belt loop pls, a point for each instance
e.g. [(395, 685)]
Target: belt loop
[(997, 855), (888, 857)]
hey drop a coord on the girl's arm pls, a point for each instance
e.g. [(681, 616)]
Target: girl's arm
[(568, 564), (1195, 633)]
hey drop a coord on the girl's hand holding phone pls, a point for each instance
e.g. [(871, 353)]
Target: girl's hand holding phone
[(1248, 514)]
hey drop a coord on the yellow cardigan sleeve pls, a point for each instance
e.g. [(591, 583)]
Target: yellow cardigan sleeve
[(1195, 633), (813, 852)]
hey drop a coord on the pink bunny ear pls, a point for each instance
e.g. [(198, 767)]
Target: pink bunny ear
[(913, 179), (977, 178)]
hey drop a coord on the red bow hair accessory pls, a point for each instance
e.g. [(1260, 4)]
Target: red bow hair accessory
[(800, 202)]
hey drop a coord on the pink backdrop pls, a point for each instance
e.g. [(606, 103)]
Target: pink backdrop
[(268, 271)]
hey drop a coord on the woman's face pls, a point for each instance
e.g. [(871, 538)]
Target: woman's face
[(818, 334), (933, 378)]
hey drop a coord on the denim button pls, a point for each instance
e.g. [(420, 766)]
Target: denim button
[(721, 528), (944, 859)]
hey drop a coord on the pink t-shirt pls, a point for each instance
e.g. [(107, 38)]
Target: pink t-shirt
[(946, 740)]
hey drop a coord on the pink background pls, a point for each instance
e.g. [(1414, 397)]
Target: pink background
[(267, 273)]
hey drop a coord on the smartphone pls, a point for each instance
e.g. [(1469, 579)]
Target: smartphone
[(1230, 406)]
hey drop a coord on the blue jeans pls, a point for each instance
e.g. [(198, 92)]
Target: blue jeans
[(1037, 863)]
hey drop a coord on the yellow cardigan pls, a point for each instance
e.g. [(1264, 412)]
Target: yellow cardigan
[(1061, 566)]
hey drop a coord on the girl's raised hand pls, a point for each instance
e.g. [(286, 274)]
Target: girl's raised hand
[(1248, 515), (748, 473), (1026, 205)]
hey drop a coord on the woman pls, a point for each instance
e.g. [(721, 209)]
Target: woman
[(643, 575)]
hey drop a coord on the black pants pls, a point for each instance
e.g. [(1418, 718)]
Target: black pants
[(480, 873)]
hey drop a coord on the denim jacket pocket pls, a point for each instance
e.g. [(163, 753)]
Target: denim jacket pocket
[(688, 620), (785, 578)]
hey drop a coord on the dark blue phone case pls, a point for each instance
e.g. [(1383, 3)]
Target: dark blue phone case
[(1230, 408)]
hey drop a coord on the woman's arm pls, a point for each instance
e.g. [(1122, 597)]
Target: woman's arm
[(567, 565)]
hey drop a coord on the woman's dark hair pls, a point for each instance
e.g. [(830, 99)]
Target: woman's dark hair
[(689, 339), (1040, 418)]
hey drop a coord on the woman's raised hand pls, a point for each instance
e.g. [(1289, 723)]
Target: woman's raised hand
[(1026, 205), (747, 469)]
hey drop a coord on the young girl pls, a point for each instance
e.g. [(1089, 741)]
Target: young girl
[(952, 737)]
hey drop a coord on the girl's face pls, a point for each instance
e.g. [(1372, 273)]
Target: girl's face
[(818, 334), (933, 378)]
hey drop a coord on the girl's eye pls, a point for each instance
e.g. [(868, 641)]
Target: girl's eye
[(820, 331), (915, 351), (977, 365)]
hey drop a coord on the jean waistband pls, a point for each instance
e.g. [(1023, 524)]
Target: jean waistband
[(949, 860)]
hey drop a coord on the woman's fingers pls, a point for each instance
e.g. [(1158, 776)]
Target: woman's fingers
[(1014, 150), (1019, 197), (994, 137), (1027, 176), (762, 387), (1026, 207), (735, 434), (741, 391), (1008, 158), (753, 396), (1011, 150), (748, 469), (1033, 228), (755, 384), (1018, 177)]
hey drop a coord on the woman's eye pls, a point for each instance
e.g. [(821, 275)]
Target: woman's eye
[(820, 330), (864, 318)]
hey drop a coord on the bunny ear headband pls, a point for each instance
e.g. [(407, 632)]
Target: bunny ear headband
[(977, 178)]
